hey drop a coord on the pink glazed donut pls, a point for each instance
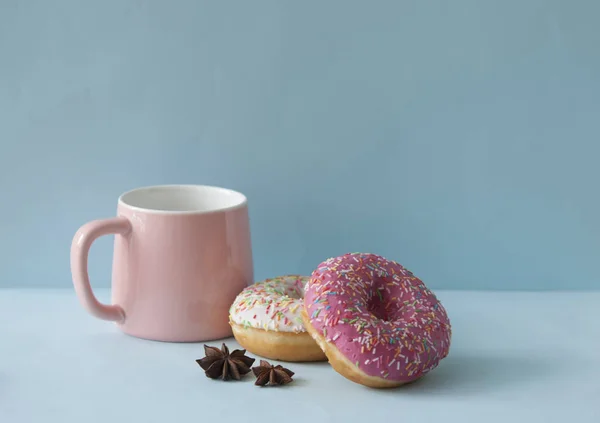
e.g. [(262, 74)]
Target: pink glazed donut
[(378, 324)]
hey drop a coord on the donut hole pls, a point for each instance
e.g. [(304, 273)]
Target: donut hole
[(296, 292), (378, 311), (381, 306)]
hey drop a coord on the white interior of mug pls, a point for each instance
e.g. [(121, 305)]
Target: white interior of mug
[(182, 199)]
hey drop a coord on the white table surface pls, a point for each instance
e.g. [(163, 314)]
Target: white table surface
[(515, 357)]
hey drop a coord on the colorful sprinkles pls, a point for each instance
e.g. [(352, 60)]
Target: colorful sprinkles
[(378, 315), (274, 304)]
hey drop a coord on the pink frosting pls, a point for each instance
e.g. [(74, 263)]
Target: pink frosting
[(378, 315)]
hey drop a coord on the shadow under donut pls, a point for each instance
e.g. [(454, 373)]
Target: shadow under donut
[(470, 374)]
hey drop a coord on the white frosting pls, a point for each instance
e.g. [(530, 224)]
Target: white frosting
[(273, 304)]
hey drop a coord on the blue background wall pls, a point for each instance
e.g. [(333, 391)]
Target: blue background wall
[(460, 138)]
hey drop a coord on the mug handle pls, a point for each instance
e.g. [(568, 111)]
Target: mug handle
[(80, 249)]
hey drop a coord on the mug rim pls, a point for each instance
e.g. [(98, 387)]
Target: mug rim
[(241, 203)]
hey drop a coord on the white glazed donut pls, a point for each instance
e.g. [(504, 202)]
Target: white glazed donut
[(266, 320)]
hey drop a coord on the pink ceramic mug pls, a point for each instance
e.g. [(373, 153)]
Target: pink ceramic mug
[(181, 255)]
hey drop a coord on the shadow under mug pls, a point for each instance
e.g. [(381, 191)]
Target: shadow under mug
[(182, 253)]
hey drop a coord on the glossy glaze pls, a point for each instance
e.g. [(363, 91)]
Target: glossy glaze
[(175, 274)]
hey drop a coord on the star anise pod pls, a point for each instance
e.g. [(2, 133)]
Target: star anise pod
[(266, 373), (219, 364)]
